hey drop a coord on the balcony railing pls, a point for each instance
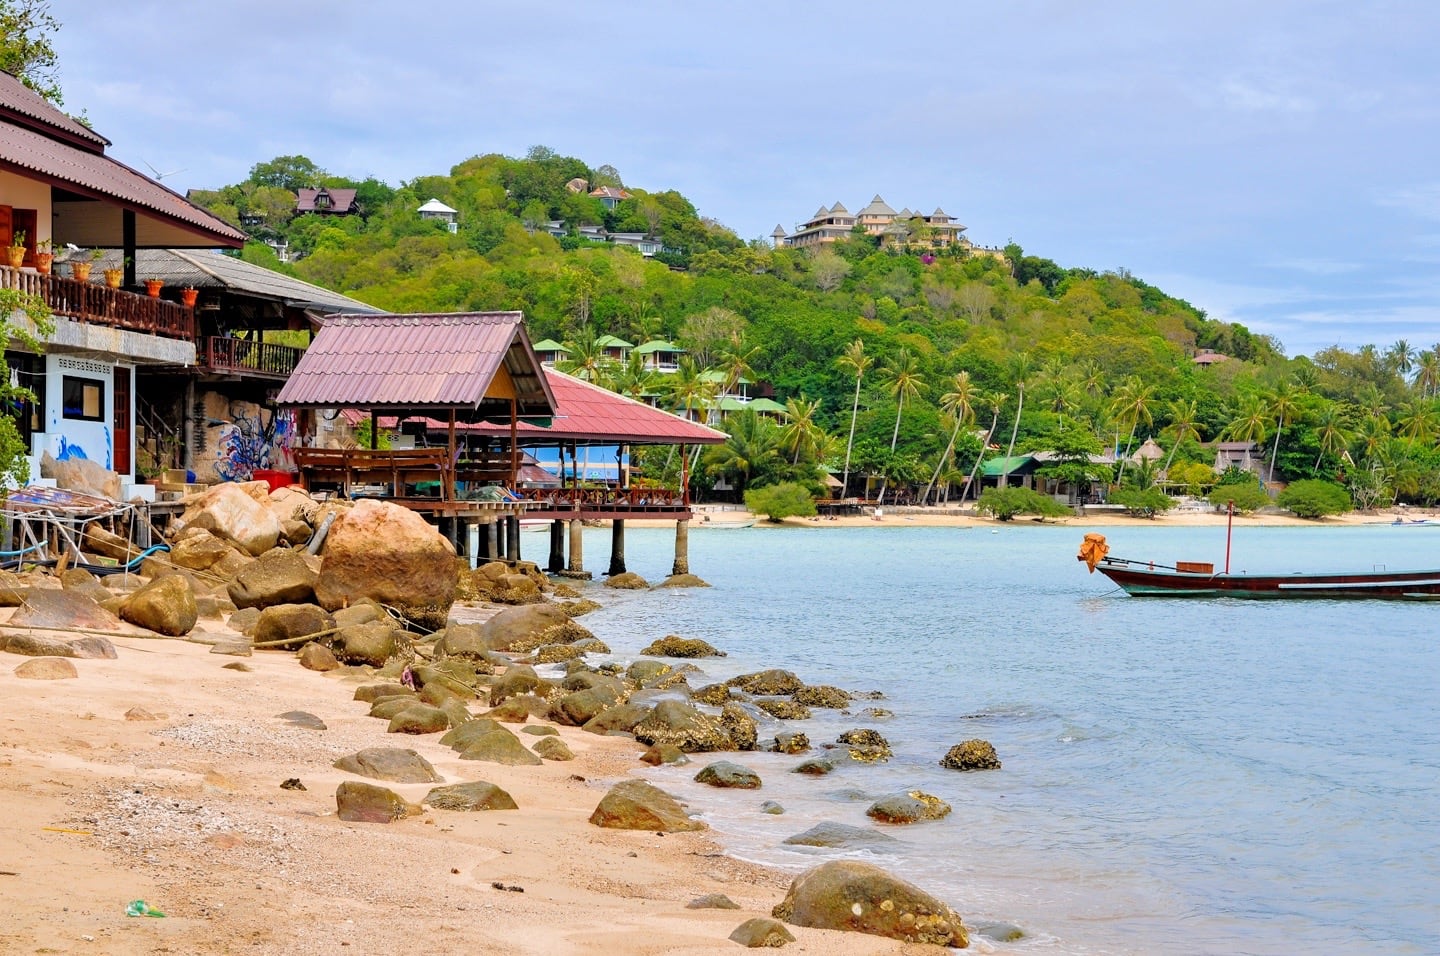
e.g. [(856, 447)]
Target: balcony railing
[(97, 304), (244, 357)]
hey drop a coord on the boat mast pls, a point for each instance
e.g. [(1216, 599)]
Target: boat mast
[(1229, 523)]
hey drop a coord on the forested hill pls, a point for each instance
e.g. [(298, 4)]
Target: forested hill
[(1075, 342)]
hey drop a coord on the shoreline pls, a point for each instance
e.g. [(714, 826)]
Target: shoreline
[(186, 812)]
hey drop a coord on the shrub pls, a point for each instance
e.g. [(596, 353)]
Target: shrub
[(1144, 504), (1246, 498), (778, 502), (1313, 498), (1006, 503)]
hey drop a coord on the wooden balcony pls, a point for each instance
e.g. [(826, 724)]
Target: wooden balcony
[(234, 356), (96, 304)]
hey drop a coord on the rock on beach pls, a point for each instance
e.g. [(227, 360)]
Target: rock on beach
[(637, 805), (859, 897)]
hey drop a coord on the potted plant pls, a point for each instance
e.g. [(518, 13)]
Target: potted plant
[(17, 250), (153, 287), (44, 258), (79, 267), (113, 277), (188, 295)]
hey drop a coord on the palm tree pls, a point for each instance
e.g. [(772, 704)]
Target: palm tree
[(800, 435), (853, 360), (1183, 424), (1019, 372), (634, 379), (996, 401), (1374, 433), (1250, 421), (735, 363), (586, 359), (1131, 403), (1282, 406), (753, 447), (1416, 421), (958, 403), (903, 374), (689, 391), (1427, 373), (1401, 357), (1331, 431)]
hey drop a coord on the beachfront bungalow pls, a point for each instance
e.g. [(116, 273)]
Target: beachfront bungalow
[(615, 348), (549, 351), (1245, 455), (660, 355), (60, 192)]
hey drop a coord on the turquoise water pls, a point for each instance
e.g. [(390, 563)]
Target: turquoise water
[(1195, 776)]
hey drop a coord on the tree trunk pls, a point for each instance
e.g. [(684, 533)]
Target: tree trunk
[(1019, 407), (894, 438), (854, 413), (940, 465), (1280, 427), (1129, 440), (970, 482)]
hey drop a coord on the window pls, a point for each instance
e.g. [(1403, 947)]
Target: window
[(83, 399)]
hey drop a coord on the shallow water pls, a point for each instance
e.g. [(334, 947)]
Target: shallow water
[(1180, 776)]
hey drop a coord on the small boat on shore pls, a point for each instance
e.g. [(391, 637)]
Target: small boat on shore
[(1197, 579)]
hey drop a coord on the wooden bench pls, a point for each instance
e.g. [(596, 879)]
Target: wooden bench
[(348, 468)]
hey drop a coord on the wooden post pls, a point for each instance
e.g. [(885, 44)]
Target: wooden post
[(512, 538), (127, 247), (576, 564), (447, 478), (557, 547), (374, 430), (682, 547), (472, 543), (617, 546), (514, 443), (492, 540), (502, 537)]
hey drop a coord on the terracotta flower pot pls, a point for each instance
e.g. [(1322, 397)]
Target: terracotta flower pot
[(81, 271), (113, 277), (17, 256), (188, 296), (44, 261), (153, 287)]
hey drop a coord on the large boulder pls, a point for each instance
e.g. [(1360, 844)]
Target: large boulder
[(165, 605), (476, 795), (82, 475), (771, 683), (729, 775), (822, 695), (761, 933), (373, 643), (673, 645), (674, 722), (39, 644), (47, 668), (637, 805), (518, 626), (971, 755), (394, 764), (518, 679), (276, 577), (842, 836), (198, 550), (419, 718), (553, 748), (231, 512), (389, 554), (581, 706), (862, 898), (357, 802), (291, 625), (909, 807), (54, 608), (622, 718), (502, 747)]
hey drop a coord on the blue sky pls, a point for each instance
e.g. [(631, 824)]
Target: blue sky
[(1272, 162)]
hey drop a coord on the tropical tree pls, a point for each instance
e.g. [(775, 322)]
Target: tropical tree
[(752, 449), (778, 502), (1282, 407), (1416, 421), (996, 401), (586, 359), (1019, 370), (689, 390), (800, 435), (1131, 404), (634, 379), (1427, 373), (1248, 422), (1183, 425), (855, 361), (903, 374), (25, 49), (1401, 357), (734, 361), (958, 403), (1331, 431)]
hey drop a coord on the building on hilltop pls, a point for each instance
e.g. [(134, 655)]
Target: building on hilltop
[(937, 230), (326, 202), (610, 196), (435, 209)]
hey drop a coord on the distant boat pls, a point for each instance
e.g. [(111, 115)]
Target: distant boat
[(726, 524), (1196, 579)]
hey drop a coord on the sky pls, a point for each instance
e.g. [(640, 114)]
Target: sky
[(1271, 161)]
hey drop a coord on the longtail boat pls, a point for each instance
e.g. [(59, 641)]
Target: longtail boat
[(1198, 579)]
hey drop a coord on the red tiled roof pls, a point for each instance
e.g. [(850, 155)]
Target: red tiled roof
[(587, 414), (341, 200), (422, 362), (39, 141)]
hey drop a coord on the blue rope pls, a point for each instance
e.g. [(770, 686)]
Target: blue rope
[(15, 554)]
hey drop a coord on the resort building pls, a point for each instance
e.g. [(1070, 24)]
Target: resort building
[(660, 355), (435, 209), (326, 202), (935, 230)]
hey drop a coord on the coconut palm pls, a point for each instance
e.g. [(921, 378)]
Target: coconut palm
[(853, 360), (689, 391), (1183, 423), (735, 363), (1427, 373), (753, 447), (1401, 357), (634, 379), (1131, 403), (996, 401), (586, 359), (1373, 434), (1019, 369), (903, 374), (1416, 421), (800, 436), (1282, 408), (1331, 432), (1250, 421), (959, 404)]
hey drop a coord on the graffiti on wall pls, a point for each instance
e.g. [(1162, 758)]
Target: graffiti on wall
[(254, 439)]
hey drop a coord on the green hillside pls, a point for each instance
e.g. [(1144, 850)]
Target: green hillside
[(953, 337)]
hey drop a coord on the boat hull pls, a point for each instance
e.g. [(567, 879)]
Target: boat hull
[(1398, 585)]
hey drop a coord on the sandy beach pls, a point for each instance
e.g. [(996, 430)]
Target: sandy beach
[(185, 811)]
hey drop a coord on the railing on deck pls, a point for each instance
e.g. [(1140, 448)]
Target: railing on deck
[(225, 354), (97, 304)]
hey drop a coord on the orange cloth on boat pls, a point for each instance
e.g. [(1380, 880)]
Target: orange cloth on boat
[(1093, 550)]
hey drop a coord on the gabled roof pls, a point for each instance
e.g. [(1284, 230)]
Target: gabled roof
[(822, 212), (40, 142), (613, 342), (657, 345), (433, 205), (468, 362), (341, 200), (211, 270), (839, 210), (877, 207), (609, 192), (549, 345)]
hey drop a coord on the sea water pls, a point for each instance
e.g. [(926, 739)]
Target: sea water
[(1180, 775)]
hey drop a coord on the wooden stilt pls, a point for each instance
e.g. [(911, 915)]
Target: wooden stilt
[(617, 546), (576, 564), (492, 540), (682, 547), (557, 547), (512, 538)]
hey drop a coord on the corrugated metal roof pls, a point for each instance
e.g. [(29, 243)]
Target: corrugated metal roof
[(341, 200), (996, 467), (657, 345), (420, 362), (91, 172), (19, 98), (212, 270)]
